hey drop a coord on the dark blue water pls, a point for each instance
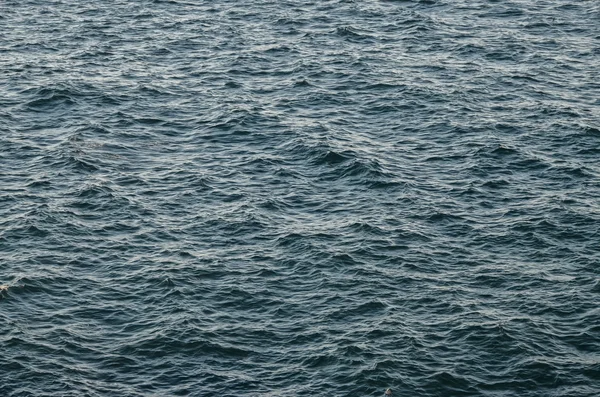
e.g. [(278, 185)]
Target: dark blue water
[(300, 198)]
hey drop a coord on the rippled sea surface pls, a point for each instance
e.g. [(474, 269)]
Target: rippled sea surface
[(300, 198)]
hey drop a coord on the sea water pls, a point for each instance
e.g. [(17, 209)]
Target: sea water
[(300, 198)]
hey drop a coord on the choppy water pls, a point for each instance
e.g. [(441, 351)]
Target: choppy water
[(300, 198)]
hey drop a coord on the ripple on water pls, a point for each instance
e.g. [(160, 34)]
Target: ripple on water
[(267, 198)]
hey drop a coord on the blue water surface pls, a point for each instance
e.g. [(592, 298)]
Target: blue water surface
[(300, 198)]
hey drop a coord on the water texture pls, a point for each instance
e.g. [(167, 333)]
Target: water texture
[(300, 198)]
